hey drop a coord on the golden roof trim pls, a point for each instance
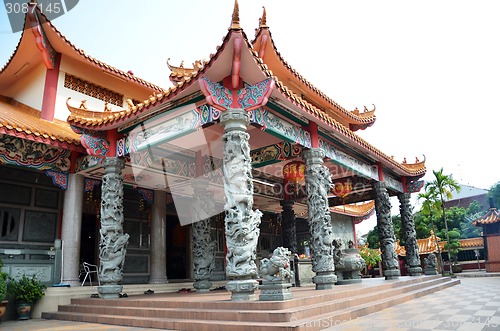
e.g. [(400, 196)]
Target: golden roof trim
[(179, 73), (235, 19), (263, 19), (355, 210)]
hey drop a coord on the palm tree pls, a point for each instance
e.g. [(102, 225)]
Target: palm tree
[(431, 207), (442, 186)]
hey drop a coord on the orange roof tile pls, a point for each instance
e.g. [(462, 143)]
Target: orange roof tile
[(428, 245), (492, 216), (20, 120)]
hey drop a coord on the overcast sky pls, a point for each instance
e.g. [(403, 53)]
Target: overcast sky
[(432, 68)]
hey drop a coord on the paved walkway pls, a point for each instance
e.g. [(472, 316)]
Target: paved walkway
[(474, 305)]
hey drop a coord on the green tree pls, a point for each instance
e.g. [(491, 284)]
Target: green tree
[(453, 245), (442, 186), (431, 206), (372, 238), (467, 230), (494, 193), (422, 227)]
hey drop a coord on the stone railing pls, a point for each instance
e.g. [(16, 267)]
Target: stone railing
[(42, 263)]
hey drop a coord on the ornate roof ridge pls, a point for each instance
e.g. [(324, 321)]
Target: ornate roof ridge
[(95, 61), (111, 117), (367, 117), (235, 19), (180, 73), (32, 127)]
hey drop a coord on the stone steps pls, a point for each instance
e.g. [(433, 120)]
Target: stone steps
[(310, 309)]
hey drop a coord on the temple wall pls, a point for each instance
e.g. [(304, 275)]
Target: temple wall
[(29, 88), (493, 261)]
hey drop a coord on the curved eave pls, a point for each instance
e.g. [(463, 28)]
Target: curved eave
[(43, 138), (355, 210), (81, 54), (355, 120)]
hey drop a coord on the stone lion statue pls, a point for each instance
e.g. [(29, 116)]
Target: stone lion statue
[(278, 266)]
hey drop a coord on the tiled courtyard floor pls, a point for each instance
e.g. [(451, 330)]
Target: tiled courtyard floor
[(472, 305)]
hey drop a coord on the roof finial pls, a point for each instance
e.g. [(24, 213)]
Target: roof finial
[(235, 21), (263, 19)]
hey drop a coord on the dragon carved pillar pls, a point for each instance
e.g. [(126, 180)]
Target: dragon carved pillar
[(241, 221), (318, 184), (387, 239), (288, 226), (409, 235), (203, 247), (113, 242)]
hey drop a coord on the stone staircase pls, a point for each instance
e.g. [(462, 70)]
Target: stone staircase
[(308, 310)]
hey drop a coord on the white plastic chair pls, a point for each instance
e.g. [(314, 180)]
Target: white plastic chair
[(90, 269)]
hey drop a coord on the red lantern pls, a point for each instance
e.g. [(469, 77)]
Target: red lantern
[(342, 188), (294, 171), (293, 174)]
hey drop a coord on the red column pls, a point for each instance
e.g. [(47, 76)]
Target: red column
[(50, 91)]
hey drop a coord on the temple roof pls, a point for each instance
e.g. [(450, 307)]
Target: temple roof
[(22, 121), (428, 245), (218, 67), (492, 216), (62, 45)]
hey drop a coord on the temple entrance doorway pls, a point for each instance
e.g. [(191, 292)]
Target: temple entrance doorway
[(177, 249), (89, 239)]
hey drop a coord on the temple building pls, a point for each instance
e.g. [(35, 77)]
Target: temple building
[(197, 181), (490, 222)]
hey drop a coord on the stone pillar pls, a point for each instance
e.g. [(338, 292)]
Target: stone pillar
[(288, 226), (390, 264), (318, 184), (203, 246), (409, 234), (113, 241), (241, 222), (72, 230), (158, 250)]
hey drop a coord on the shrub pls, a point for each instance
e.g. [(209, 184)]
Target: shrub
[(26, 289)]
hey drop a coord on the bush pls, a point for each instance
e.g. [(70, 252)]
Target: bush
[(26, 289), (371, 256)]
